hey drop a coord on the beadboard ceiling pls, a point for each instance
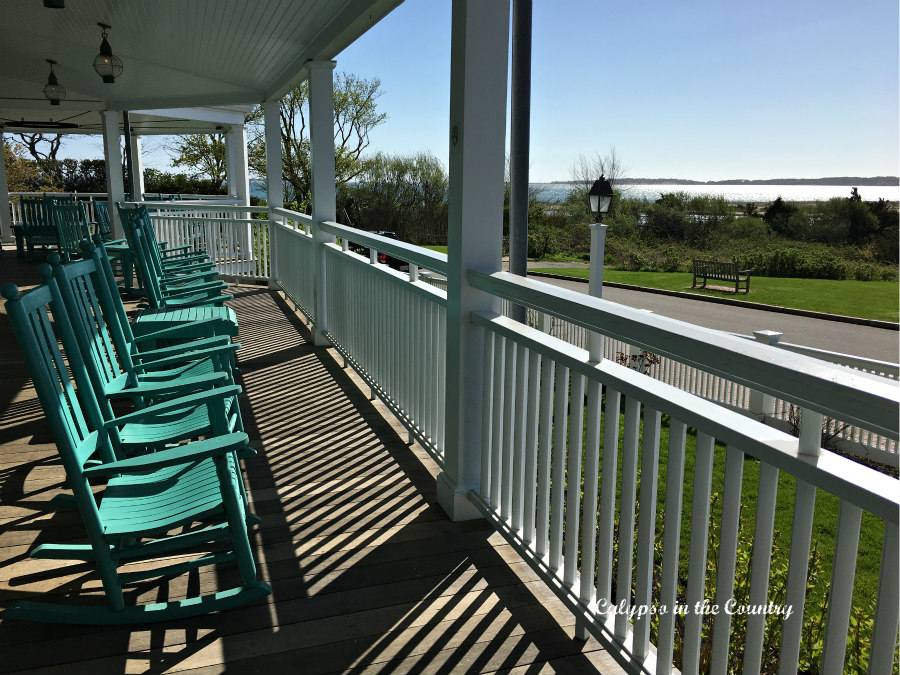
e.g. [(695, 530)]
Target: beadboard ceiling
[(216, 54)]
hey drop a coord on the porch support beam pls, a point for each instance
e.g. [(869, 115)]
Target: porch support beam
[(237, 169), (274, 178), (519, 142), (137, 169), (321, 162), (6, 233), (479, 48), (115, 183)]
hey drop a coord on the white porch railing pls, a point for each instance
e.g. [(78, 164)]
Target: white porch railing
[(235, 241), (539, 442), (782, 413), (391, 327), (292, 258), (555, 420)]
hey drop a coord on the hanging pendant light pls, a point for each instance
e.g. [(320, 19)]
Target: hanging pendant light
[(53, 90), (108, 67)]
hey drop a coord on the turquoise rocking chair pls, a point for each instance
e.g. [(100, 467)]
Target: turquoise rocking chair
[(146, 497), (118, 369)]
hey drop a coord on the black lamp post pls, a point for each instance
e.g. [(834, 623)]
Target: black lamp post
[(53, 90), (600, 194), (108, 67)]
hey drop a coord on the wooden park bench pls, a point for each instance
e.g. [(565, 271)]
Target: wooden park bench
[(721, 271)]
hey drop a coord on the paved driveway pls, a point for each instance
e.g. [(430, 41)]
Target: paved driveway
[(847, 338)]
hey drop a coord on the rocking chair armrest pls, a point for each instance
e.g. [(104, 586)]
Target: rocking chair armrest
[(199, 288), (166, 250), (184, 384), (214, 300), (174, 332), (183, 454), (173, 282), (199, 398), (185, 258), (184, 357), (190, 270)]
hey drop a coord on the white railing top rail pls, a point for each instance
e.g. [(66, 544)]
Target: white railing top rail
[(292, 215), (423, 257), (217, 207), (40, 194), (863, 486), (838, 392), (858, 362)]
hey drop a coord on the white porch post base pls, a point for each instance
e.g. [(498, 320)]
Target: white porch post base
[(455, 501)]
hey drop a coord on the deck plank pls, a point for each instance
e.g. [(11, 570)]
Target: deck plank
[(369, 575)]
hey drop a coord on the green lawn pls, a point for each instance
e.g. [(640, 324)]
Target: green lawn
[(865, 299), (439, 249)]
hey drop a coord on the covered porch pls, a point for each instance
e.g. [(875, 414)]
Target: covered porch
[(370, 576)]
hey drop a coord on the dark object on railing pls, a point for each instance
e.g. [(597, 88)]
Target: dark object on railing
[(721, 271), (383, 258), (37, 226)]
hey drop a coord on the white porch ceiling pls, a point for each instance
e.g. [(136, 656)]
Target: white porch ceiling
[(222, 55)]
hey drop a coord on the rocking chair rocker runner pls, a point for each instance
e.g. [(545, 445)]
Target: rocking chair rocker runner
[(146, 497)]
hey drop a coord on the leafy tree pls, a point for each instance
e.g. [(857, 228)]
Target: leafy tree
[(204, 153), (782, 217), (21, 175), (405, 194), (355, 115), (178, 183)]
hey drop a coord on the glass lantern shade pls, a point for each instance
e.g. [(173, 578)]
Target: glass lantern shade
[(600, 195), (53, 90), (108, 67)]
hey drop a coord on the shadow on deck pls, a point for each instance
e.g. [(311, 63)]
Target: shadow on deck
[(369, 575)]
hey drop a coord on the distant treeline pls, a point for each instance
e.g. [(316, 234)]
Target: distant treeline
[(840, 238), (89, 175), (833, 180)]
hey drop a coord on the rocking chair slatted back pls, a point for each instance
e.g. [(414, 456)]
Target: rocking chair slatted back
[(145, 497), (70, 220)]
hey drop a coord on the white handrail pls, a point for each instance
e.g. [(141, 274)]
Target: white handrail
[(863, 486), (835, 392), (423, 257)]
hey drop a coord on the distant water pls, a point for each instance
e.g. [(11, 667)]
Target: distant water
[(556, 192)]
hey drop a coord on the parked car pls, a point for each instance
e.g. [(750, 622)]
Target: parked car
[(383, 258)]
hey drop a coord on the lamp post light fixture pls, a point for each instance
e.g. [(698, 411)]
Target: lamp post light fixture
[(600, 194), (108, 67), (53, 90)]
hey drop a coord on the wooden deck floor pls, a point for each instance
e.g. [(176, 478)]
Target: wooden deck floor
[(369, 575)]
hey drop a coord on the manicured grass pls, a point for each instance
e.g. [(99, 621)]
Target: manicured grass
[(865, 299), (439, 249)]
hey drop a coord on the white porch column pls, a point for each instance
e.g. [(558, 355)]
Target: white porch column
[(274, 179), (479, 48), (321, 161), (6, 233), (137, 169), (236, 166), (115, 183)]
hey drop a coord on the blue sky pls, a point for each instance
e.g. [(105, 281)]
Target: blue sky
[(699, 90)]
